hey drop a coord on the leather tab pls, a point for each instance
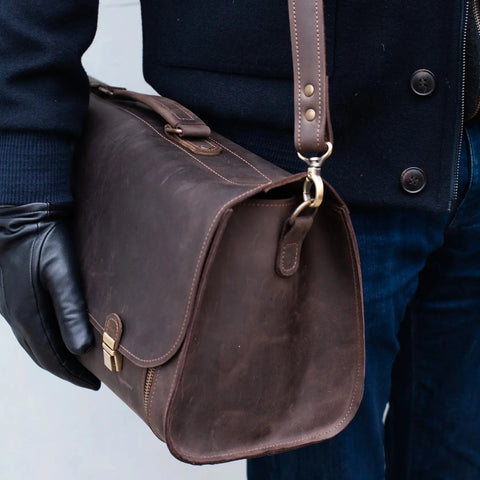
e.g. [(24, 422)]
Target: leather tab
[(199, 146), (290, 245), (312, 115), (114, 329)]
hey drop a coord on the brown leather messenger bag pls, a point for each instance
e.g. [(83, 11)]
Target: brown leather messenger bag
[(225, 293)]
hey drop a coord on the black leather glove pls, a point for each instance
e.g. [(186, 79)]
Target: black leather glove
[(40, 295)]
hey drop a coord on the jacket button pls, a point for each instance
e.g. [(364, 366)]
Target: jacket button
[(413, 180), (423, 82)]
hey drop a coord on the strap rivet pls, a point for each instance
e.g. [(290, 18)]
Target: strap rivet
[(309, 90), (310, 114)]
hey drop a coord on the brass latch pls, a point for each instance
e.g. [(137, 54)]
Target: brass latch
[(112, 358)]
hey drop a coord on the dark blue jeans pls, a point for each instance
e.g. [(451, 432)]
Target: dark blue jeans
[(422, 311)]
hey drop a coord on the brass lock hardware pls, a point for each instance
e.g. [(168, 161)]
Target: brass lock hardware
[(112, 358), (112, 334)]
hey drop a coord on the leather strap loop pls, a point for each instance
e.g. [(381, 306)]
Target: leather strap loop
[(312, 114)]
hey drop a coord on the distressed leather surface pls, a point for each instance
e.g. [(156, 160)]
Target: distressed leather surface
[(183, 248), (150, 208), (271, 363)]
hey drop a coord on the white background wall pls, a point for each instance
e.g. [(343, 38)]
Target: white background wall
[(49, 429)]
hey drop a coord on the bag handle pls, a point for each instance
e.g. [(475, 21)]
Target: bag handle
[(180, 120)]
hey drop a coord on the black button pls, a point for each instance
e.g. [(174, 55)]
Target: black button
[(413, 180), (423, 82)]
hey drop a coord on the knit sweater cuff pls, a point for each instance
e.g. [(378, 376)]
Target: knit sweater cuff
[(34, 167)]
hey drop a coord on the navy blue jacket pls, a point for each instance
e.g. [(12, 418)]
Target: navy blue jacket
[(230, 63)]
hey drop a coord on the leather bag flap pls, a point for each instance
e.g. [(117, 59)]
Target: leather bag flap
[(146, 232)]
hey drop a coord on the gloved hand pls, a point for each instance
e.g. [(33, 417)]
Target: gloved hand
[(40, 295)]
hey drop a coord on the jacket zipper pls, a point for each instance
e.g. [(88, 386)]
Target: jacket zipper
[(147, 388), (476, 15), (462, 106)]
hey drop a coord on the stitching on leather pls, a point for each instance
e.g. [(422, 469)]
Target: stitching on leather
[(213, 144), (244, 160), (187, 113), (117, 328), (172, 106), (320, 84), (95, 321), (192, 288), (284, 252), (318, 435), (113, 320), (321, 434), (186, 151), (358, 315), (299, 80), (181, 363), (194, 144), (177, 146), (180, 118)]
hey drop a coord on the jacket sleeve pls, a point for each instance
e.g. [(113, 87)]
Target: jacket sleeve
[(43, 95)]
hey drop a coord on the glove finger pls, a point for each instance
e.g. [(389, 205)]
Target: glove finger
[(61, 278)]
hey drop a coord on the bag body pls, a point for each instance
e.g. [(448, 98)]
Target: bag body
[(230, 327)]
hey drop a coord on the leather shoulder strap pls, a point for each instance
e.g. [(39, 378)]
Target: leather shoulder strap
[(312, 115)]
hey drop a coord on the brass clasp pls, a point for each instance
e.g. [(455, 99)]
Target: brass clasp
[(313, 182), (112, 358), (317, 161), (313, 188), (314, 178)]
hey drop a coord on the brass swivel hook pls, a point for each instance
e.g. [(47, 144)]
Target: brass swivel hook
[(313, 188)]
